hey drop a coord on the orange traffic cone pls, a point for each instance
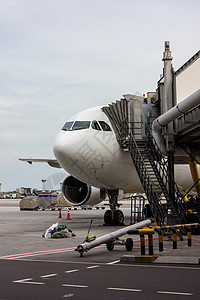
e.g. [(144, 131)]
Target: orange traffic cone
[(60, 215), (68, 215)]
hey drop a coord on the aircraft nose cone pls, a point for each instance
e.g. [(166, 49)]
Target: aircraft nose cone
[(60, 146), (65, 148), (71, 151)]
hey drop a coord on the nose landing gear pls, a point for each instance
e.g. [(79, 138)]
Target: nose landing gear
[(113, 216)]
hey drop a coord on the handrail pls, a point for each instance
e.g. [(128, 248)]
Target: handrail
[(164, 172), (159, 167), (145, 178)]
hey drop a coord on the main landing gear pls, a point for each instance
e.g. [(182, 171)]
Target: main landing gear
[(113, 216)]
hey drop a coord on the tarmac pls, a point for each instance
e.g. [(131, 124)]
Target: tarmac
[(21, 238)]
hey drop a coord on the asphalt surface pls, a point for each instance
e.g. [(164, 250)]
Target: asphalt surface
[(54, 280), (21, 232), (33, 267)]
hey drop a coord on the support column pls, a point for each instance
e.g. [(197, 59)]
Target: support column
[(171, 188), (150, 240), (142, 244)]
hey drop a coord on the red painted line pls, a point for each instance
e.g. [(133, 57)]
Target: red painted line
[(40, 253), (36, 253)]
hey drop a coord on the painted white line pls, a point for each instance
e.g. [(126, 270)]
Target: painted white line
[(22, 280), (161, 267), (174, 293), (27, 280), (93, 267), (113, 262), (71, 271), (123, 289), (75, 285), (49, 275)]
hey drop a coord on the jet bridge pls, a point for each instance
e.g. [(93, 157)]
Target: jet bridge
[(155, 152)]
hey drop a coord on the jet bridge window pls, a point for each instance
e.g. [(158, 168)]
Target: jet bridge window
[(67, 126), (105, 126), (81, 125), (95, 125)]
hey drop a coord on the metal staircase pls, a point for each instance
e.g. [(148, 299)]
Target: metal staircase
[(162, 193), (152, 170)]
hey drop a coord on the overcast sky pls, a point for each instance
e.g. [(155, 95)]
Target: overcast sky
[(58, 57)]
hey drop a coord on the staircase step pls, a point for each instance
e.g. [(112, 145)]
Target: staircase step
[(152, 180)]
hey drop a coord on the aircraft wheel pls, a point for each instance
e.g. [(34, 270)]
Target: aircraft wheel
[(118, 217), (108, 217), (110, 245), (129, 244)]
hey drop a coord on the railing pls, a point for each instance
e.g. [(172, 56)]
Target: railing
[(145, 178), (177, 202), (159, 165)]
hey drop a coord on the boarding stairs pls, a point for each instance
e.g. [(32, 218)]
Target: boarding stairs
[(162, 193)]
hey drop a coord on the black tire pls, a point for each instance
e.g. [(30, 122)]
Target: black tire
[(118, 218), (108, 217), (110, 245), (129, 244)]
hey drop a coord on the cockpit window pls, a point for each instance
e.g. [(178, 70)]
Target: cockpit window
[(81, 125), (95, 125), (67, 126), (105, 126), (77, 125)]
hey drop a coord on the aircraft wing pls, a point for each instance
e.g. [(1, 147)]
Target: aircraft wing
[(52, 162)]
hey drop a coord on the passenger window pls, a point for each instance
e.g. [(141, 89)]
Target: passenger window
[(81, 125), (95, 125), (67, 126), (105, 126)]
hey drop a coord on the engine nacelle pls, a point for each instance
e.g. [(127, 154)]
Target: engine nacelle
[(78, 193)]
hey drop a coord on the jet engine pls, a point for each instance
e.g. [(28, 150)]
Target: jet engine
[(78, 193)]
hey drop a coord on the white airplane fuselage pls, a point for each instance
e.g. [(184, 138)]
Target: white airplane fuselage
[(95, 157)]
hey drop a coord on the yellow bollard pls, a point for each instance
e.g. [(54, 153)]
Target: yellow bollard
[(142, 244)]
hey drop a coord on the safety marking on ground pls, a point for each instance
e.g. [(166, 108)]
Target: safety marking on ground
[(72, 271), (124, 289), (27, 280), (159, 266), (175, 293), (92, 267), (22, 255), (113, 262), (54, 251), (75, 285), (48, 275)]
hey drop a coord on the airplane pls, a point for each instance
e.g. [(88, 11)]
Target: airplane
[(87, 148)]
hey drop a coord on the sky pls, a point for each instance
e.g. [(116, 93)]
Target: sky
[(58, 57)]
